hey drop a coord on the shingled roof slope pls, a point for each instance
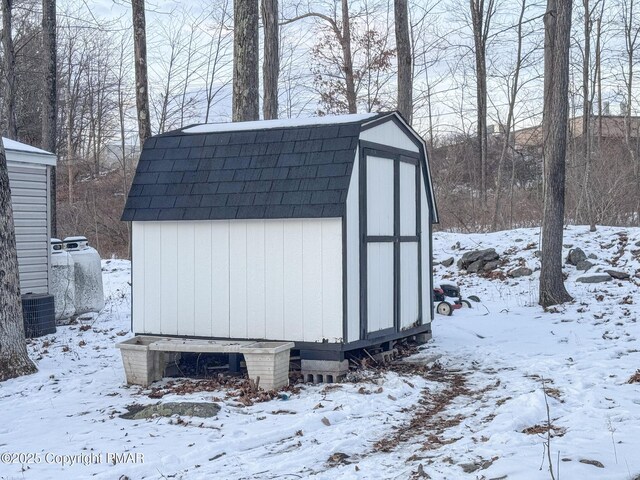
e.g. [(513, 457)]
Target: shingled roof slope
[(289, 172)]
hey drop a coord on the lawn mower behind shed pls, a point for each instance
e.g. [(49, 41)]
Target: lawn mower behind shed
[(445, 291)]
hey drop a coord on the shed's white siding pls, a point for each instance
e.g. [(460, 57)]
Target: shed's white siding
[(29, 184), (425, 239), (353, 254), (274, 279), (388, 133)]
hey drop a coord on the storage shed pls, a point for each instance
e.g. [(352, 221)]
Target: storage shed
[(29, 178), (314, 230)]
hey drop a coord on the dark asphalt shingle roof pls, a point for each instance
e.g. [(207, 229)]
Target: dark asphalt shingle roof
[(289, 172)]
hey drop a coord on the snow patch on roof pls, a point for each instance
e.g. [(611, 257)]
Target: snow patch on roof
[(22, 147), (279, 123)]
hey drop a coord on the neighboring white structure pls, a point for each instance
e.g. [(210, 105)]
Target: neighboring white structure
[(316, 231), (29, 174)]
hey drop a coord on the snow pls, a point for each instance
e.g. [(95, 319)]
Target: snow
[(22, 147), (502, 351), (280, 123)]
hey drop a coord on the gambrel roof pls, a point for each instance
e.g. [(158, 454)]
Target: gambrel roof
[(294, 168)]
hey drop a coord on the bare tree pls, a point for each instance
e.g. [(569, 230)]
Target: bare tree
[(631, 39), (557, 22), (14, 360), (142, 82), (271, 61), (513, 93), (50, 94), (217, 60), (481, 17), (246, 99), (342, 31), (405, 60), (9, 69)]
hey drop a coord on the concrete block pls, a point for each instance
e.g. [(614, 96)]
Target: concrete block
[(423, 338)]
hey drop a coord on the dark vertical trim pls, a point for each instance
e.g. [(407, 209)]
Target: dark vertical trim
[(345, 320), (397, 294), (431, 266), (132, 279), (419, 234), (362, 243)]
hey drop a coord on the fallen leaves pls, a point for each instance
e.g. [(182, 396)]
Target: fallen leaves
[(543, 429)]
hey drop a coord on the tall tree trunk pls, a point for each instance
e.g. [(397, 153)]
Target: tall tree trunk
[(14, 360), (631, 39), (9, 57), (480, 23), (246, 99), (348, 61), (50, 97), (142, 81), (557, 22), (405, 64), (271, 61)]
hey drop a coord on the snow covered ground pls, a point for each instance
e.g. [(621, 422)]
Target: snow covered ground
[(480, 412)]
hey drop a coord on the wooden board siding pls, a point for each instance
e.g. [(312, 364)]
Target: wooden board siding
[(29, 197), (274, 279)]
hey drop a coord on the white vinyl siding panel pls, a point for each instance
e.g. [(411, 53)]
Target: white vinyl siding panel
[(379, 286), (29, 199), (380, 188), (388, 133), (409, 301), (407, 199), (425, 241), (274, 279), (353, 254)]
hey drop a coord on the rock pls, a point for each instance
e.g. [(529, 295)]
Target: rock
[(448, 262), (518, 240), (584, 265), (592, 256), (187, 409), (618, 275), (568, 245), (537, 254), (475, 267), (483, 256), (599, 278), (576, 255), (637, 244), (489, 266), (520, 272), (595, 463)]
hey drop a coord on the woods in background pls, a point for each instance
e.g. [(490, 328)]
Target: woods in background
[(467, 75)]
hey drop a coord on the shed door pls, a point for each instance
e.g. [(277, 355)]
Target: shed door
[(391, 243)]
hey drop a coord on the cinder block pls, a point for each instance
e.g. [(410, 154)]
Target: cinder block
[(328, 366), (323, 371), (423, 338)]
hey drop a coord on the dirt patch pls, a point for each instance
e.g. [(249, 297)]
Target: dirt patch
[(429, 419)]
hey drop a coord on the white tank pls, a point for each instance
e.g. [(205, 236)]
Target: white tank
[(88, 275), (63, 285)]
